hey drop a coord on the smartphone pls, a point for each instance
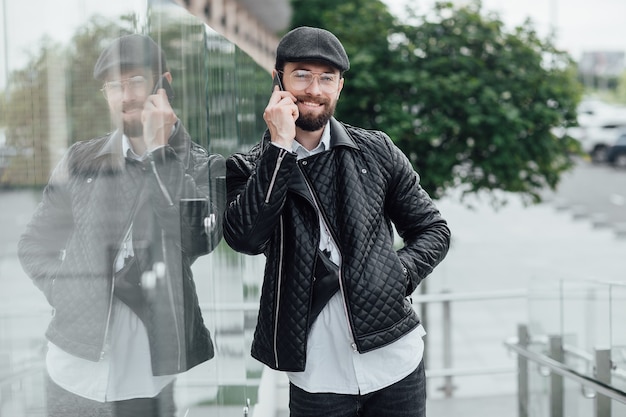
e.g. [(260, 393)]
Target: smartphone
[(163, 83), (276, 82)]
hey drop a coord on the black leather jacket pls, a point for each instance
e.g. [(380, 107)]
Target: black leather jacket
[(70, 244), (362, 185)]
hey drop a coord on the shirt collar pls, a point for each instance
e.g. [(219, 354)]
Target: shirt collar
[(128, 151), (321, 147)]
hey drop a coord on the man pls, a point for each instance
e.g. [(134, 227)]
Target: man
[(319, 198), (111, 245)]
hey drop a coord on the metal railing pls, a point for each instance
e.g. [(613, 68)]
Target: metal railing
[(598, 386), (446, 299)]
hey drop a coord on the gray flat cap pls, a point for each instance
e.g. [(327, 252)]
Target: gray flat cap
[(128, 52), (312, 44)]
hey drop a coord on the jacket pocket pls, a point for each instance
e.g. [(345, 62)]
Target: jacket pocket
[(409, 286)]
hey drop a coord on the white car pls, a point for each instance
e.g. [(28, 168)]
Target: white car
[(599, 126)]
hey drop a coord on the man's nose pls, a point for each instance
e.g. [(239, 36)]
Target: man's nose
[(315, 87), (127, 92)]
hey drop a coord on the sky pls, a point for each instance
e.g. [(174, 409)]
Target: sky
[(581, 25)]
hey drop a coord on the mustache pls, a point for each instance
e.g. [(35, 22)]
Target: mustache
[(310, 99), (132, 106)]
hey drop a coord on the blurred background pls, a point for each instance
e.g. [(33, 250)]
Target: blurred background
[(512, 112)]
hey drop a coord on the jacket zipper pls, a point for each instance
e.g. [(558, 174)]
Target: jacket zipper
[(108, 321), (281, 156), (170, 293), (111, 294), (129, 228), (330, 236), (164, 191), (278, 286), (170, 290)]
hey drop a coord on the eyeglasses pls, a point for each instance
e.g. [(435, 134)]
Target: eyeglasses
[(302, 79), (135, 85)]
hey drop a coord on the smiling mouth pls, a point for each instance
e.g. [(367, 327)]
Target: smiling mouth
[(131, 110), (310, 104)]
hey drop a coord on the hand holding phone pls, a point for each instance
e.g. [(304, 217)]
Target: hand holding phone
[(158, 116), (164, 84), (276, 82), (281, 114)]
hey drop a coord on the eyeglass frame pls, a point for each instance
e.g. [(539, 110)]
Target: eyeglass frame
[(124, 83), (315, 74)]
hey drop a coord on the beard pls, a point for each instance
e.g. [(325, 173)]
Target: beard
[(311, 123), (132, 128)]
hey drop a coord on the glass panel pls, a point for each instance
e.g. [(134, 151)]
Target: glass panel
[(585, 328), (586, 319), (49, 101), (544, 311), (617, 307), (586, 315), (544, 308)]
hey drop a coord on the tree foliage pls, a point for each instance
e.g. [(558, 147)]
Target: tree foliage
[(472, 104), (27, 116), (55, 92)]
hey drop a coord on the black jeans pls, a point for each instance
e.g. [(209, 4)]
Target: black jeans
[(405, 398), (62, 403)]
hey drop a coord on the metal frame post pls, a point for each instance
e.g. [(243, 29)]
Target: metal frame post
[(423, 286), (556, 381), (523, 340), (602, 372), (448, 385)]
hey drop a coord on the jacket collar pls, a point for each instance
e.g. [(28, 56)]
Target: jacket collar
[(112, 146), (179, 140), (339, 135)]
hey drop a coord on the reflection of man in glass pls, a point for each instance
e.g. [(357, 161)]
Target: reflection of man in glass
[(111, 246)]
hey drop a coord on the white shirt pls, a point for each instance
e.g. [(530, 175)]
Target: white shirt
[(125, 370), (332, 365)]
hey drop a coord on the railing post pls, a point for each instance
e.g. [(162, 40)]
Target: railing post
[(602, 403), (423, 286), (523, 340), (246, 408), (556, 381), (448, 386)]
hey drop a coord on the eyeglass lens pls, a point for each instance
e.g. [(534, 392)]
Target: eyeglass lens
[(302, 79), (135, 85)]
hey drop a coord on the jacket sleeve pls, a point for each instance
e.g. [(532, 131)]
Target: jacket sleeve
[(417, 220), (256, 194), (184, 196), (41, 246)]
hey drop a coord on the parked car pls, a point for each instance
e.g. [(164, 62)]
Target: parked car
[(616, 154), (599, 125)]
